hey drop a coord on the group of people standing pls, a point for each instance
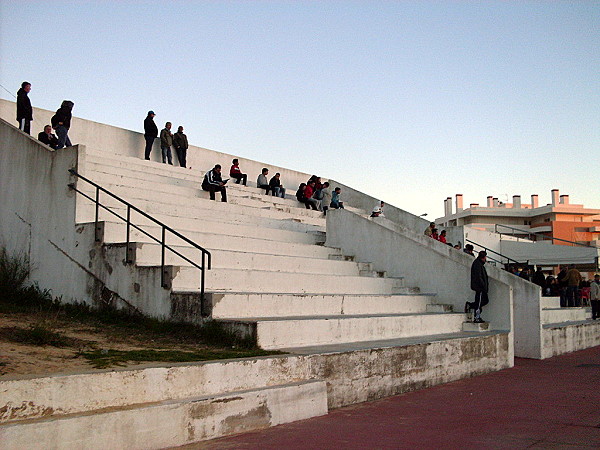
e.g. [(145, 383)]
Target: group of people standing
[(167, 140), (61, 121)]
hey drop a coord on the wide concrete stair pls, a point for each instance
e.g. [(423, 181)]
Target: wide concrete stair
[(567, 329), (154, 420), (553, 314), (282, 286)]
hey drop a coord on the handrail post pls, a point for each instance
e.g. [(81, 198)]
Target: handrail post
[(96, 231), (202, 277), (162, 259), (128, 251)]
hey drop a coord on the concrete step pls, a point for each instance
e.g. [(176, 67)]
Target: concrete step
[(550, 302), (310, 331), (150, 254), (186, 217), (116, 233), (440, 308), (186, 279), (556, 315), (140, 175), (170, 423), (240, 305), (199, 200), (476, 327), (200, 209), (130, 189), (186, 226)]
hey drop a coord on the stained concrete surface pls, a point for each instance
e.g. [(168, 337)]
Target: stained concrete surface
[(554, 403)]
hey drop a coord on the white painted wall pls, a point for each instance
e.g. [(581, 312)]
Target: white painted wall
[(438, 268)]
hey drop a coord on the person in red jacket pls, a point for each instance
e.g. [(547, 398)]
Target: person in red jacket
[(309, 201), (236, 173), (442, 237)]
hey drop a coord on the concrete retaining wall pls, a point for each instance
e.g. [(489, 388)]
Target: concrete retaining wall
[(352, 377), (435, 267), (569, 338)]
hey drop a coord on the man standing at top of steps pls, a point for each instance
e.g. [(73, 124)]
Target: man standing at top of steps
[(180, 143), (214, 183), (150, 133), (480, 284), (24, 109), (166, 140)]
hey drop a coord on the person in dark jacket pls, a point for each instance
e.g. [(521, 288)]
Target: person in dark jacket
[(180, 143), (24, 109), (539, 278), (150, 133), (46, 137), (166, 140), (480, 284), (214, 183), (277, 188), (61, 122)]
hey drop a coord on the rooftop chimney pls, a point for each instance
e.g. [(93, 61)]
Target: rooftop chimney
[(517, 201), (534, 201), (495, 202), (555, 196), (459, 202), (474, 205), (448, 206), (564, 199), (490, 201)]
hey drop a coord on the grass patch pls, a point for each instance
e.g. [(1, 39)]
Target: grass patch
[(102, 359), (38, 335), (163, 339)]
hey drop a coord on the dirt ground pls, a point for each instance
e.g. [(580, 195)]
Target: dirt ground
[(18, 359)]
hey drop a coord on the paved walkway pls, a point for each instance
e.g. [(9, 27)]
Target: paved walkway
[(537, 404)]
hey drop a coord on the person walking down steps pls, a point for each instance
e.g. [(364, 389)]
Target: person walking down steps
[(480, 284)]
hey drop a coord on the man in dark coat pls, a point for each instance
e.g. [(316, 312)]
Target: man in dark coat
[(48, 138), (150, 133), (24, 109), (480, 284), (61, 122), (214, 183), (180, 143)]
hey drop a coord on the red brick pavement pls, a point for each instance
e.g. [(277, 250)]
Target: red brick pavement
[(553, 403)]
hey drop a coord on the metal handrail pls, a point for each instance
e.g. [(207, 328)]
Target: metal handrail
[(489, 250), (534, 233), (206, 256)]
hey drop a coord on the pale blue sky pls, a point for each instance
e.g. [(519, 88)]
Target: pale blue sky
[(408, 101)]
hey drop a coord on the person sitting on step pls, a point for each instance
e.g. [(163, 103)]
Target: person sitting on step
[(236, 173), (378, 210), (214, 183), (336, 203), (277, 188), (308, 199), (262, 182)]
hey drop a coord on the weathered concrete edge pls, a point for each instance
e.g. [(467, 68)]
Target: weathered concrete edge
[(565, 338), (170, 423), (352, 377)]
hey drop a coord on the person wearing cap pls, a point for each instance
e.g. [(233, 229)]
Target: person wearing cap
[(480, 284), (150, 133)]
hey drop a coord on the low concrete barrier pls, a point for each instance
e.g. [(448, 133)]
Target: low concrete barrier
[(423, 262)]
